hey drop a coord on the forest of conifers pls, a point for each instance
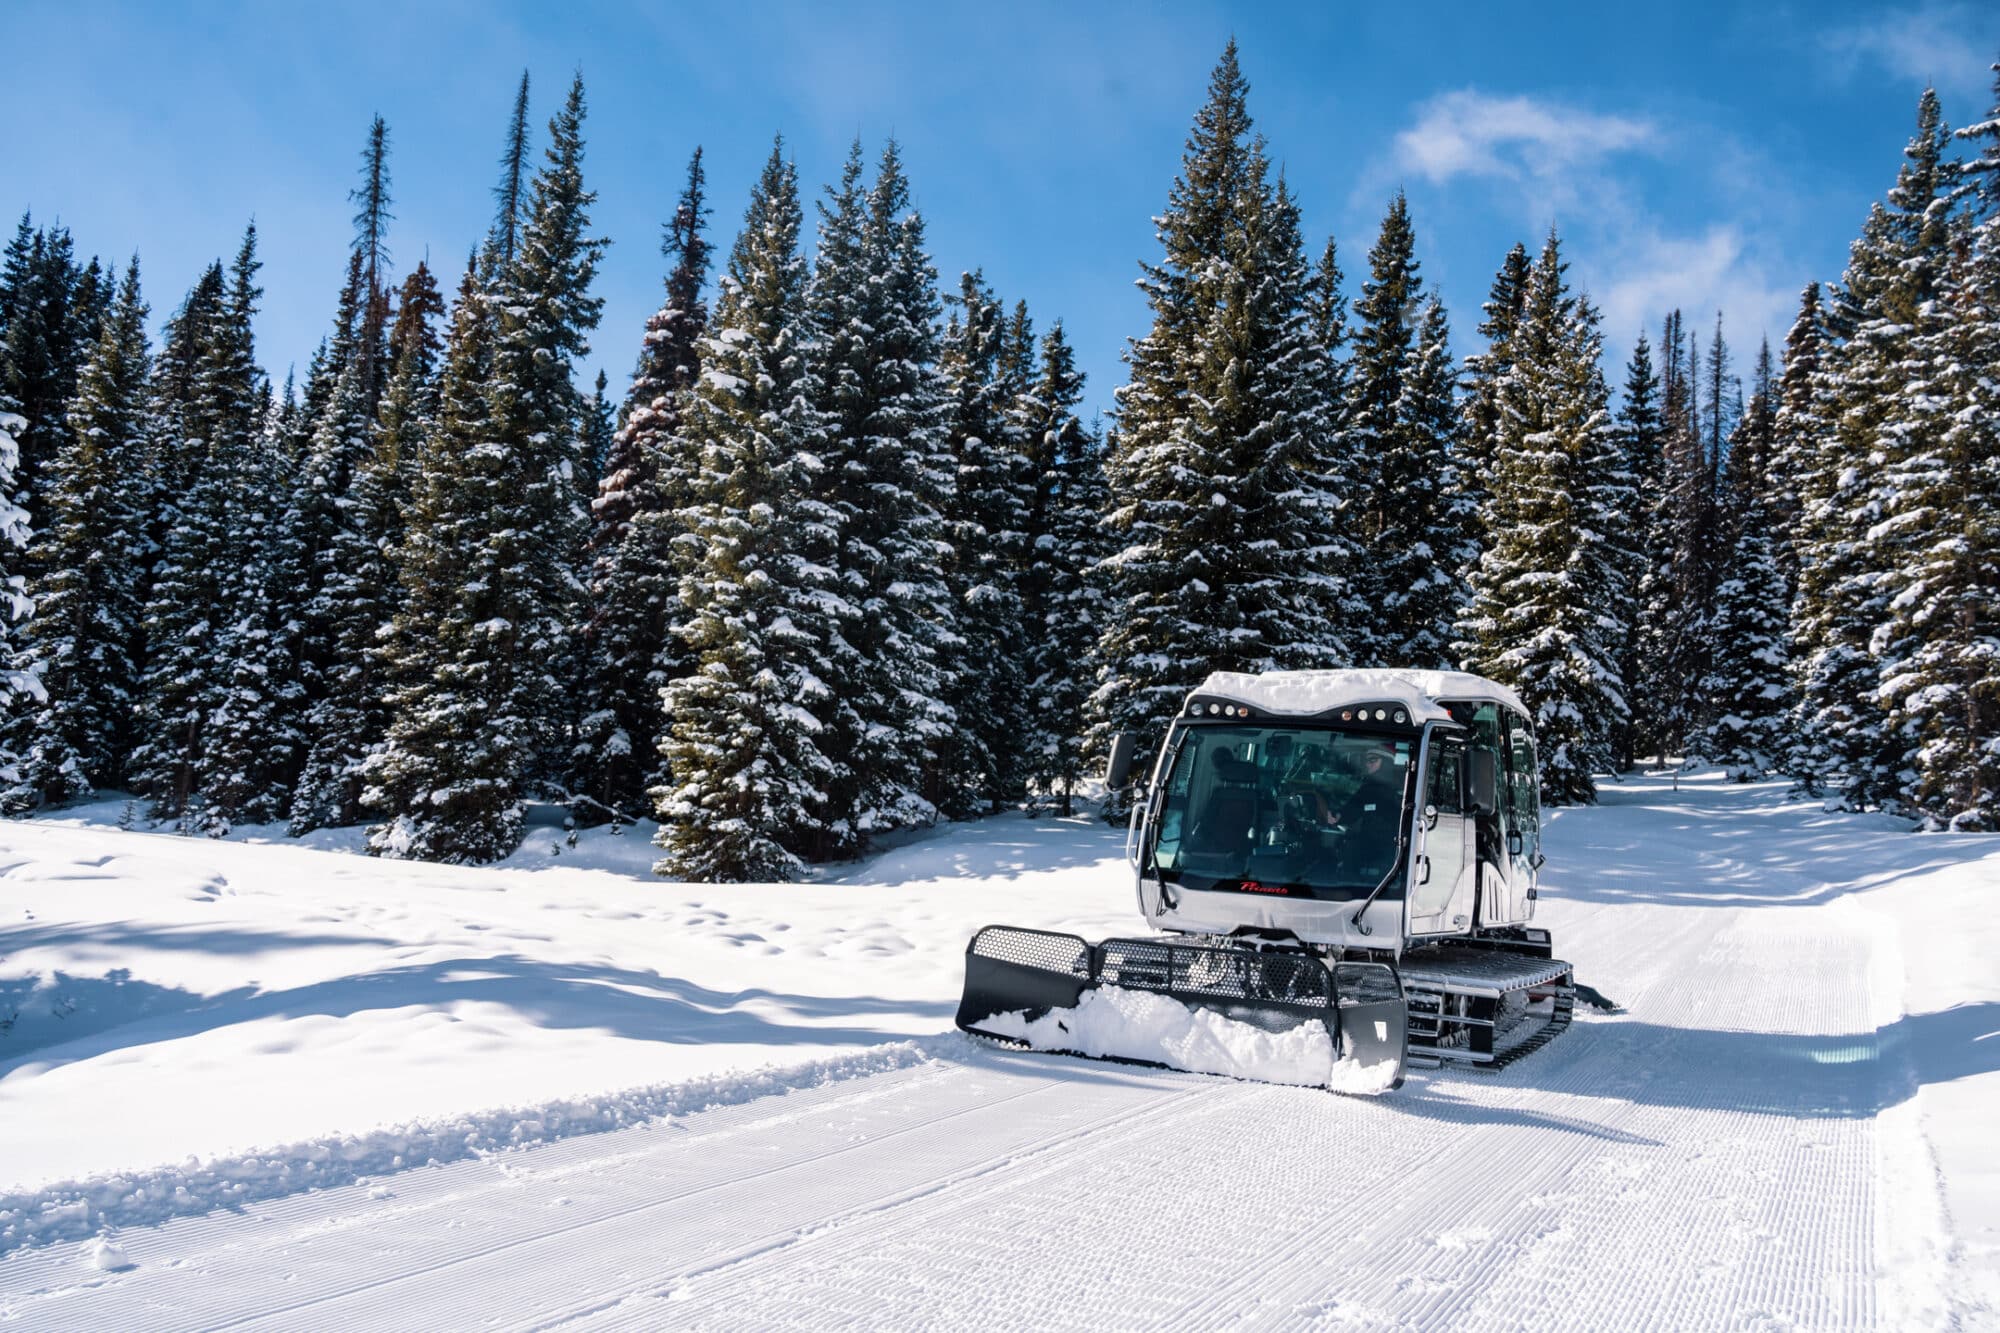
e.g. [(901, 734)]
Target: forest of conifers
[(845, 558)]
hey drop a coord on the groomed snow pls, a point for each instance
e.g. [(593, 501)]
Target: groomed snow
[(655, 1104)]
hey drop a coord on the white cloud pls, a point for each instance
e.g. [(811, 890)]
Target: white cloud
[(1638, 281), (1935, 44), (1535, 143)]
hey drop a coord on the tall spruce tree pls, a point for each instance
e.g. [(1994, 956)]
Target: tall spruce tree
[(42, 312), (1939, 644), (749, 726), (1412, 516), (1642, 435), (1224, 533), (644, 485), (490, 585), (980, 764), (1798, 424), (1483, 371), (1536, 619), (1063, 609), (888, 478), (1879, 421), (360, 595), (213, 748), (85, 635), (1748, 694), (20, 686)]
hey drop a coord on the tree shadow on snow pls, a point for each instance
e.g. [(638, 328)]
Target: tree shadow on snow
[(1852, 1076), (1738, 847), (92, 1016)]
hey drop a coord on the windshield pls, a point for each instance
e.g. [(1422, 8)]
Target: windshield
[(1299, 811)]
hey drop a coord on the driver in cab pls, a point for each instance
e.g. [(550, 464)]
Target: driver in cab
[(1375, 801)]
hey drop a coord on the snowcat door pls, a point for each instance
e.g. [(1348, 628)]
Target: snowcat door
[(1441, 875), (1487, 770), (1521, 820)]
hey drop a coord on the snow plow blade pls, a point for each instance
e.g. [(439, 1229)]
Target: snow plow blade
[(1014, 977)]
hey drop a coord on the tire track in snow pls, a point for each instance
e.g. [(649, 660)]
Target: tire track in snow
[(696, 1199)]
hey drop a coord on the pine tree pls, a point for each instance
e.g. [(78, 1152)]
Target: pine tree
[(1642, 436), (980, 764), (748, 726), (491, 591), (1063, 608), (1849, 557), (508, 195), (1677, 601), (1225, 535), (546, 314), (1384, 346), (1483, 372), (596, 431), (39, 350), (443, 779), (371, 229), (643, 484), (86, 632), (20, 686), (889, 475), (360, 595), (1748, 694), (1797, 427), (1939, 647), (1440, 520), (211, 751), (1536, 620)]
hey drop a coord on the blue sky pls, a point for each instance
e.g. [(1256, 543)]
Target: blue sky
[(1693, 155)]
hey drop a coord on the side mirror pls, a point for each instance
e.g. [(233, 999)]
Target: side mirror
[(1485, 782), (1118, 767)]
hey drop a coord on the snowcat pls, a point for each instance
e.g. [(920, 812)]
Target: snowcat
[(1344, 856)]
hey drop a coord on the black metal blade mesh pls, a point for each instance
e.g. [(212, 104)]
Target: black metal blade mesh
[(1044, 949)]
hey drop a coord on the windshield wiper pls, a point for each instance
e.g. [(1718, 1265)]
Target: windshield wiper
[(1157, 800), (1402, 853)]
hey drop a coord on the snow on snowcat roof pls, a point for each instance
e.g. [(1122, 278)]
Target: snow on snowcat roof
[(1310, 693)]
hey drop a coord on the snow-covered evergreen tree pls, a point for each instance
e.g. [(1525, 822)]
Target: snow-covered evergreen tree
[(1798, 424), (86, 632), (360, 595), (214, 745), (1536, 620), (1748, 695), (1642, 436), (980, 763), (1939, 646), (1480, 404), (749, 725), (20, 686), (43, 340), (1849, 559), (644, 484), (1411, 517), (1064, 604), (490, 585), (888, 478), (1224, 536)]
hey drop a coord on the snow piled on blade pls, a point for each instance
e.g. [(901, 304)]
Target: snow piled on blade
[(1140, 1025), (75, 1208)]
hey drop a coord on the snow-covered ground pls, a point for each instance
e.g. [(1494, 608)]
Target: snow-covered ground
[(258, 1083)]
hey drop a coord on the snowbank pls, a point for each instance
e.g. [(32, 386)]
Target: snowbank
[(73, 1209), (1140, 1025)]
